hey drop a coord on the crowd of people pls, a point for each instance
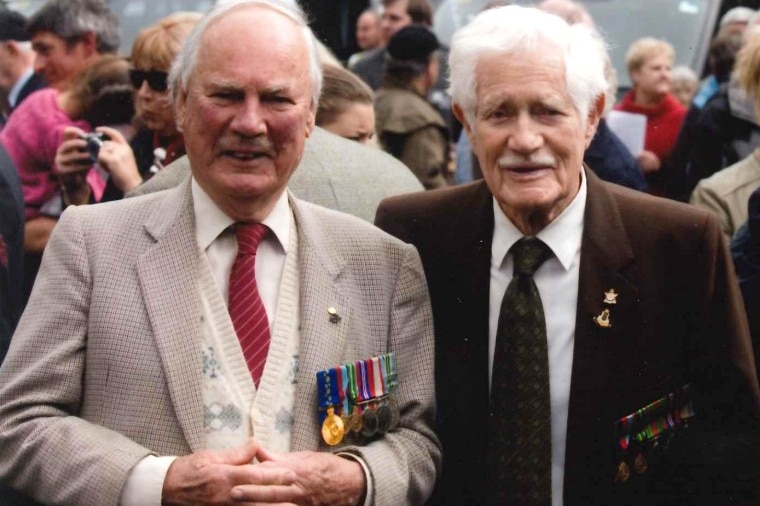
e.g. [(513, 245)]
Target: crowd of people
[(234, 269)]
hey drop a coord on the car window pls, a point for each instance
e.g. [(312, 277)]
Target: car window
[(134, 15), (687, 24)]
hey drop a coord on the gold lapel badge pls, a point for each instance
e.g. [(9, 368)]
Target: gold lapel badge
[(623, 473), (603, 320), (334, 316), (610, 296)]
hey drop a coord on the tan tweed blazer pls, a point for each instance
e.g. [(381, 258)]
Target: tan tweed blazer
[(105, 367)]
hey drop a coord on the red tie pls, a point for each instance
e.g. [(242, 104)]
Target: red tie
[(246, 308)]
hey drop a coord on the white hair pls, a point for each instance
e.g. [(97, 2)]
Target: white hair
[(683, 73), (187, 58), (512, 29), (737, 15)]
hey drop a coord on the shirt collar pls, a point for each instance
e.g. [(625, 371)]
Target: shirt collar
[(563, 235), (16, 89), (211, 221)]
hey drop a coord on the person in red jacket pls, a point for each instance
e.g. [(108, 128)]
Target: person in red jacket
[(649, 62)]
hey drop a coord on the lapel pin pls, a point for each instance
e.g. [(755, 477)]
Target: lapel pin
[(334, 317), (610, 296), (603, 320)]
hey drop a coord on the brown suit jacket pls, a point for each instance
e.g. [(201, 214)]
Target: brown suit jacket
[(105, 367), (679, 320)]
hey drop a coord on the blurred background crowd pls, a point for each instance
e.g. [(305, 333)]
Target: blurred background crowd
[(86, 116)]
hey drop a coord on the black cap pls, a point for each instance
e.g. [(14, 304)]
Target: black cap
[(412, 43), (12, 26)]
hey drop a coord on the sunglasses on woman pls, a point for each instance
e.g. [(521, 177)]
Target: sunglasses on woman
[(157, 80)]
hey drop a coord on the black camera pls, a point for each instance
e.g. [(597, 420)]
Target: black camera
[(94, 141)]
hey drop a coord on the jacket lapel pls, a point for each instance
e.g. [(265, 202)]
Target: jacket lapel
[(469, 285), (458, 260), (598, 386), (323, 338), (168, 273)]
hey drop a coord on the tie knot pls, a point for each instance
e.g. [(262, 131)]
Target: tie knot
[(249, 236), (529, 253)]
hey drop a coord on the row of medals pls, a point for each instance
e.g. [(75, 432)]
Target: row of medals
[(377, 417)]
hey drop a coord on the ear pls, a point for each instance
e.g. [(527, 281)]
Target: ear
[(11, 46), (633, 75), (433, 68), (89, 43), (459, 114), (180, 109), (594, 115), (311, 119)]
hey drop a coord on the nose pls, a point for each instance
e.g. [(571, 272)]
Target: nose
[(249, 119), (144, 90), (525, 138)]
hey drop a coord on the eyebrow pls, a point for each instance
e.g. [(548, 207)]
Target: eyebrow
[(500, 100), (275, 89)]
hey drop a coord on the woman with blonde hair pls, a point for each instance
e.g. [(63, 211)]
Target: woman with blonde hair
[(649, 63), (157, 141)]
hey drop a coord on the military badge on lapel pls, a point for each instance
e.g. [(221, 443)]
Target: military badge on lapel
[(357, 399), (334, 317), (604, 319), (648, 430)]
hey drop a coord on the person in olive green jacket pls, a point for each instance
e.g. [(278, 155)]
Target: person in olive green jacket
[(407, 125)]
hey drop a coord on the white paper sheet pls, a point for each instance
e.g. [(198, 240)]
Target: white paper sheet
[(630, 127)]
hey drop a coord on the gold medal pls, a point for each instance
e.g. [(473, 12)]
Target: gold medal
[(640, 464), (623, 472), (332, 428)]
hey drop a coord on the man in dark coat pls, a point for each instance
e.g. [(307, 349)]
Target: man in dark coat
[(11, 254), (17, 77), (631, 335), (745, 250)]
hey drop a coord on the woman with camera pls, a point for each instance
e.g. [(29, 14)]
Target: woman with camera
[(157, 141), (99, 95)]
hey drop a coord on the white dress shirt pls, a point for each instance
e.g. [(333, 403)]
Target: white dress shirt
[(557, 283), (221, 246), (16, 88), (145, 482)]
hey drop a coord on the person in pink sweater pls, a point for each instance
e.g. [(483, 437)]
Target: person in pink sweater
[(649, 62), (100, 95), (31, 138)]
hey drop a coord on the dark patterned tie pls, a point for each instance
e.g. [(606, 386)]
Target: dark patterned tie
[(246, 308), (519, 428)]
